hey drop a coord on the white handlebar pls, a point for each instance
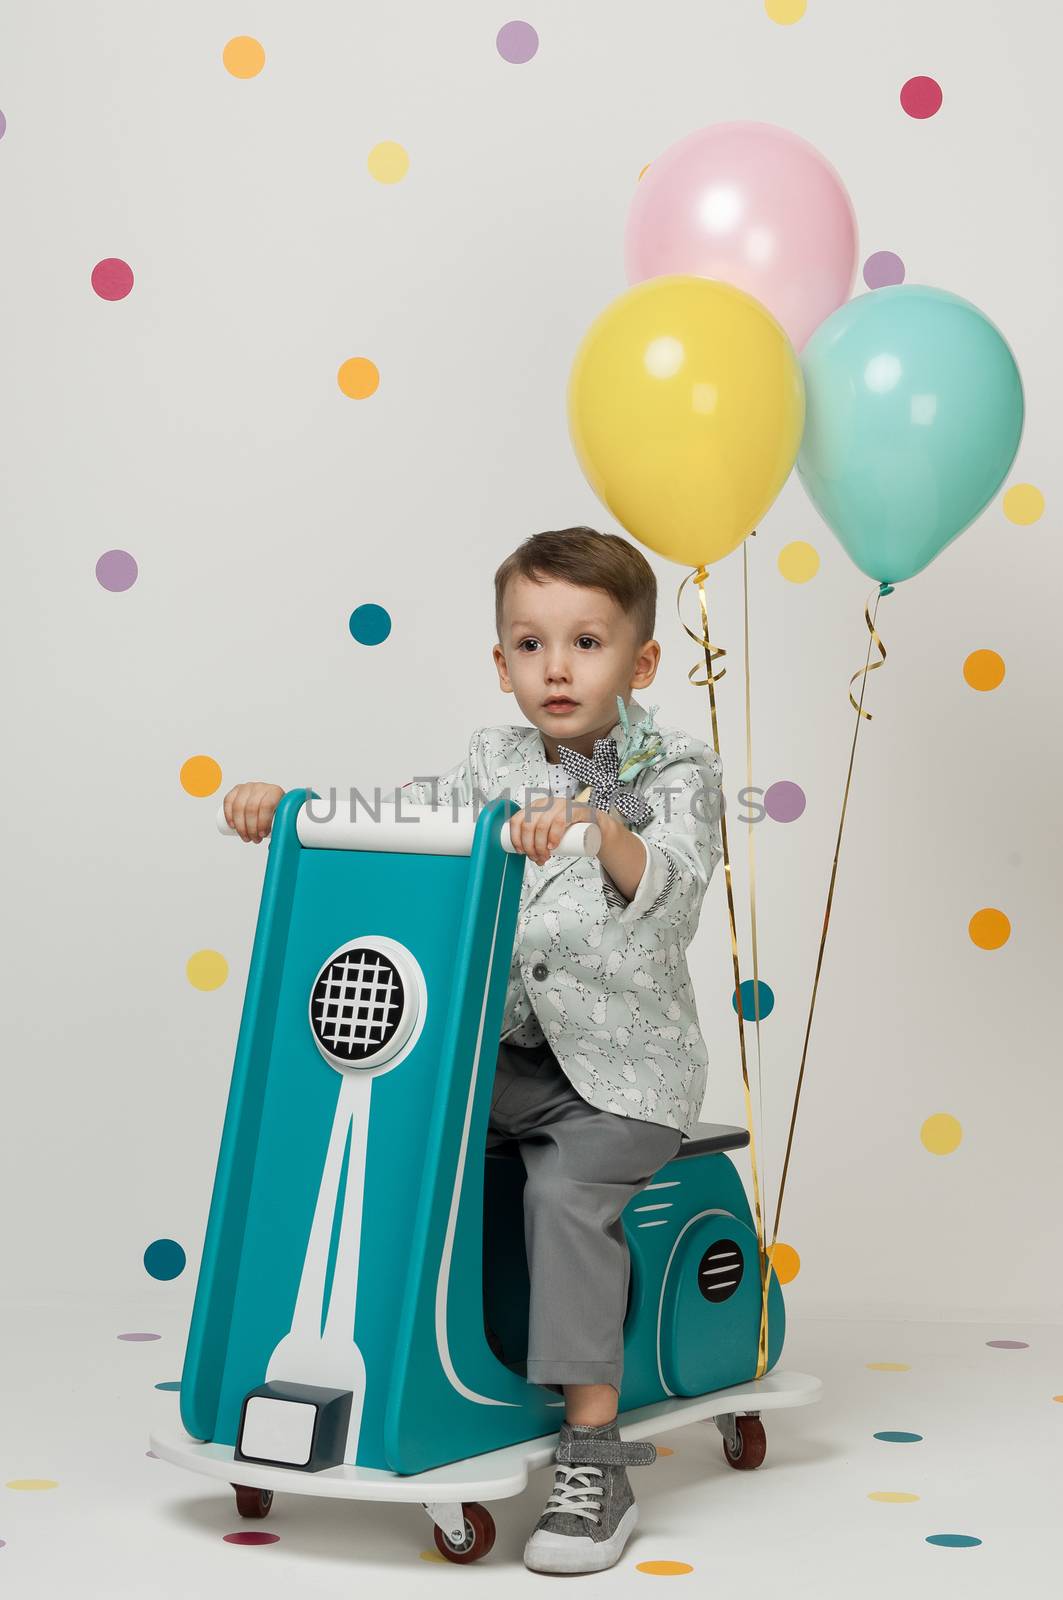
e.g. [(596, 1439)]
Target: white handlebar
[(416, 829)]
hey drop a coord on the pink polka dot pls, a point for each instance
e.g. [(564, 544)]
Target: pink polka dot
[(140, 1336), (112, 279), (251, 1538), (921, 97)]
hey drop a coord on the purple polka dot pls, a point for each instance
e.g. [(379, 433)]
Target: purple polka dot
[(882, 269), (517, 42), (152, 1454), (112, 279), (784, 801), (1008, 1344), (2, 1541), (138, 1336), (3, 130), (251, 1538), (116, 570)]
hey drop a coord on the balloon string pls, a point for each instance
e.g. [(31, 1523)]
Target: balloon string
[(753, 915), (884, 589), (713, 652)]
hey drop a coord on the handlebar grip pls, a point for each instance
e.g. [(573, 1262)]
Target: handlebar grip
[(581, 839)]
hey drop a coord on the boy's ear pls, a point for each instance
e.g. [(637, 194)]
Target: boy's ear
[(646, 663), (503, 671)]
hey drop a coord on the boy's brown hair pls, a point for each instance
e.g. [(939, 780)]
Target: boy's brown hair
[(594, 561)]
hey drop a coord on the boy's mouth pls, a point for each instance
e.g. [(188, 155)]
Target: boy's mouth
[(559, 703)]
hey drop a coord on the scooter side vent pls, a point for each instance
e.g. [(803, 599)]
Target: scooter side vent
[(720, 1270)]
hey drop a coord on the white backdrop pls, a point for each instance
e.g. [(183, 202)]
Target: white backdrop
[(197, 423)]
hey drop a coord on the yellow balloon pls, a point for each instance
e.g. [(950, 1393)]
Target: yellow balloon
[(686, 406)]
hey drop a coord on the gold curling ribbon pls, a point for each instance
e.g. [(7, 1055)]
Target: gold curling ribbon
[(713, 652), (869, 666)]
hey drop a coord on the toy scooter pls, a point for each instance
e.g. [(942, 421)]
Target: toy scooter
[(361, 1312)]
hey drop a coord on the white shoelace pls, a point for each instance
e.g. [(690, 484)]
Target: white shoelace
[(577, 1497)]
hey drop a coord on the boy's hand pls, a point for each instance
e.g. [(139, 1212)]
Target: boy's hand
[(537, 830), (249, 809)]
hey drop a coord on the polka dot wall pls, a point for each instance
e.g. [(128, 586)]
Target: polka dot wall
[(389, 186)]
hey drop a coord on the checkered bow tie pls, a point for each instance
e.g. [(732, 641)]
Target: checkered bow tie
[(603, 775)]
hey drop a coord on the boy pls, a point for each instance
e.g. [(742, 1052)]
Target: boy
[(601, 1067)]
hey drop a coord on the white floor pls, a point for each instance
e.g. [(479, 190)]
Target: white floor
[(76, 1405)]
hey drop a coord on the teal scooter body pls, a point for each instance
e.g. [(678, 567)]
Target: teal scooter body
[(434, 1227)]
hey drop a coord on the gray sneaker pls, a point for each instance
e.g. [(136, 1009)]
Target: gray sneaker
[(592, 1512)]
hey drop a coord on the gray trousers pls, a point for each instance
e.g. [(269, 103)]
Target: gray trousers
[(583, 1166)]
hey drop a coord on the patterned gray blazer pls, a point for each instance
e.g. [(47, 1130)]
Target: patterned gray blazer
[(604, 980)]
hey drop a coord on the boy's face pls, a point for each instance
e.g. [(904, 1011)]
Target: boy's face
[(566, 653)]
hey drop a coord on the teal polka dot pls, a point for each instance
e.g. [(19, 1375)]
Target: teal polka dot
[(164, 1259), (954, 1541), (173, 1384), (767, 1001), (899, 1438), (370, 624)]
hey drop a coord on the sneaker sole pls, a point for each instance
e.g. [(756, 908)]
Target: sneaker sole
[(566, 1552)]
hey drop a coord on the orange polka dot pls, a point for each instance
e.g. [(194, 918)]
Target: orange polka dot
[(989, 928), (243, 57), (785, 1260), (984, 669), (358, 378), (664, 1450), (200, 776), (664, 1569)]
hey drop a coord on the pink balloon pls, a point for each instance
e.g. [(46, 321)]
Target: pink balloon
[(756, 206)]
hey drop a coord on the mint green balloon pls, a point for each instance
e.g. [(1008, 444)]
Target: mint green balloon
[(914, 412)]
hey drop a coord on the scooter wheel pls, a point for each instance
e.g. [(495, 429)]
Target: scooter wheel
[(752, 1445), (253, 1502), (479, 1535)]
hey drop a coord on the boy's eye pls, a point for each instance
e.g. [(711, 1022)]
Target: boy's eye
[(584, 638)]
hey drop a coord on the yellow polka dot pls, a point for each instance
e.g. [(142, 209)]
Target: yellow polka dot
[(798, 561), (200, 776), (664, 1569), (207, 969), (32, 1483), (887, 1366), (893, 1497), (785, 1260), (358, 378), (984, 669), (388, 162), (989, 928), (1023, 503), (433, 1555), (243, 57), (646, 168), (785, 11), (941, 1134)]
